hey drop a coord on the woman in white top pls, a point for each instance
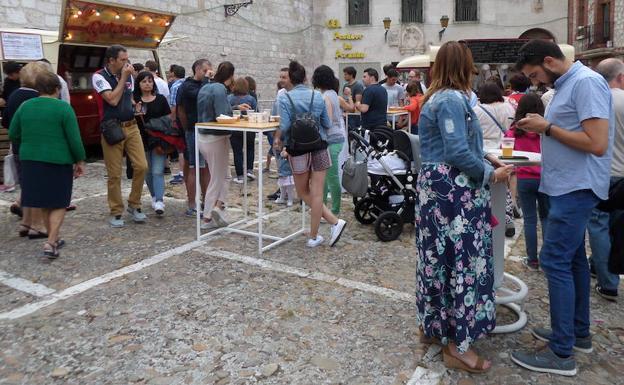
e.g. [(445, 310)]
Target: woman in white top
[(495, 115)]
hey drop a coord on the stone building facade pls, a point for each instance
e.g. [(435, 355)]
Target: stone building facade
[(262, 37), (259, 39), (596, 29)]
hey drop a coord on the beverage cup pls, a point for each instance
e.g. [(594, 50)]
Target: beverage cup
[(507, 144), (236, 113)]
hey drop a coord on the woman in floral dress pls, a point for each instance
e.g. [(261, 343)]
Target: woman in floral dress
[(454, 278)]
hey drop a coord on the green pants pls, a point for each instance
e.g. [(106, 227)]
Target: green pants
[(332, 179)]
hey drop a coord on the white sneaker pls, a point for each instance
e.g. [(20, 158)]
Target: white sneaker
[(210, 225), (154, 203), (218, 215), (280, 201), (159, 207), (251, 175), (238, 179), (289, 204), (315, 242), (336, 231)]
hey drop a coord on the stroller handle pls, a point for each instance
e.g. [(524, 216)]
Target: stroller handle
[(358, 137)]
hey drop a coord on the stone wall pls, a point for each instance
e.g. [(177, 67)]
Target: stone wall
[(259, 40)]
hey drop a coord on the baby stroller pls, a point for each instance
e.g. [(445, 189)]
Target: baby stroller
[(393, 161)]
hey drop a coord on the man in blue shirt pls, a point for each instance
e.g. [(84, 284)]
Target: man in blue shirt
[(576, 155), (374, 104)]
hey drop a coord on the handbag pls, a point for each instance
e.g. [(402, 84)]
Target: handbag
[(10, 171), (112, 131), (355, 177)]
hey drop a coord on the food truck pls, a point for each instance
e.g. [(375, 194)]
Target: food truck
[(77, 50)]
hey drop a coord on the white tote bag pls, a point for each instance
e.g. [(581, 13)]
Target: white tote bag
[(10, 171)]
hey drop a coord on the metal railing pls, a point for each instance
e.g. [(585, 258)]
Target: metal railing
[(593, 36), (466, 10)]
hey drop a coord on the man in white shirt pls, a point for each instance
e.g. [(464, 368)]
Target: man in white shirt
[(161, 84), (598, 228)]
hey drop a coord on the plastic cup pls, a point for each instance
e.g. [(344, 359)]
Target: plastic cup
[(236, 113), (507, 144)]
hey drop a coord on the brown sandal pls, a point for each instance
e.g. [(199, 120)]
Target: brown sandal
[(453, 362)]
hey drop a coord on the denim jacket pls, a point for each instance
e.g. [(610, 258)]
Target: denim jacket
[(450, 133), (212, 101), (301, 96)]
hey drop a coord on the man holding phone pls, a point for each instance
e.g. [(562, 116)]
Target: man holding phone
[(577, 144), (114, 84)]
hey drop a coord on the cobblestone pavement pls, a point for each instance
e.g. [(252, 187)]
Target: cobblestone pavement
[(148, 305)]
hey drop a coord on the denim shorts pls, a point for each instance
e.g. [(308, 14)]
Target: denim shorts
[(312, 161), (191, 148)]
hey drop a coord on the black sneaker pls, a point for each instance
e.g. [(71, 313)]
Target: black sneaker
[(167, 171), (517, 213), (609, 295), (532, 264), (583, 345), (274, 196), (592, 271)]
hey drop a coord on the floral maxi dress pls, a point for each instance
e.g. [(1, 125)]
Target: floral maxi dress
[(454, 276)]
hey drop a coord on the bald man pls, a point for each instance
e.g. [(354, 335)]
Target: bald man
[(599, 238)]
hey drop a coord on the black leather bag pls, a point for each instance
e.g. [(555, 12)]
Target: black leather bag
[(112, 131)]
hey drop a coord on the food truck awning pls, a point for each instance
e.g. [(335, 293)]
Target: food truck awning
[(103, 24), (417, 61)]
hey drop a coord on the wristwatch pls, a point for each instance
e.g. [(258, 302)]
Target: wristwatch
[(547, 131)]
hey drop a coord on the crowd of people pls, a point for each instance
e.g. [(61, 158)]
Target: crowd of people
[(579, 130)]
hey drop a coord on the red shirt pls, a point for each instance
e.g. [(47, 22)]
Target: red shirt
[(529, 142), (514, 99), (414, 108)]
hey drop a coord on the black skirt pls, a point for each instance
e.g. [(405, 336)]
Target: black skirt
[(46, 185)]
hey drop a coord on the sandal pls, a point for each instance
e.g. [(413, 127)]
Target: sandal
[(453, 362), (424, 339), (70, 208), (37, 234), (51, 254), (25, 229), (15, 209)]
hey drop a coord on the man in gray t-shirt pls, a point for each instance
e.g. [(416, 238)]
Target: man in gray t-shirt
[(356, 86), (396, 93)]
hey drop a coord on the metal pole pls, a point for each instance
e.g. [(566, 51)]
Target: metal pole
[(197, 186), (260, 192)]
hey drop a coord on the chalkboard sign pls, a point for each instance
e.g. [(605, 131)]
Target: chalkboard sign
[(496, 50)]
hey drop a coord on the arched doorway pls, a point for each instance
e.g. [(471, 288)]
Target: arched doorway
[(538, 33)]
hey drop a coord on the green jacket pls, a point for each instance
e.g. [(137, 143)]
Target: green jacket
[(46, 130)]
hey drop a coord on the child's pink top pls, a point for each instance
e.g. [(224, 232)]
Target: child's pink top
[(529, 142)]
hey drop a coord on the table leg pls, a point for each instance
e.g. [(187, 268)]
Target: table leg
[(409, 122), (260, 193), (245, 206), (393, 122), (197, 187), (499, 193)]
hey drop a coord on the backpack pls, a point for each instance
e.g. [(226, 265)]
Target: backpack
[(305, 136)]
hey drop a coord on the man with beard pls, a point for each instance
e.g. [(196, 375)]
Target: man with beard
[(576, 156)]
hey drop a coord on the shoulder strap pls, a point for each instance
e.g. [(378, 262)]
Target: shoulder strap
[(311, 103), (292, 106), (492, 117)]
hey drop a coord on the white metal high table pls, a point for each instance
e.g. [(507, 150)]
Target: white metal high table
[(506, 296), (392, 114), (259, 129)]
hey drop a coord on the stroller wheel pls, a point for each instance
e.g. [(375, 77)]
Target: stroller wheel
[(388, 226), (366, 211)]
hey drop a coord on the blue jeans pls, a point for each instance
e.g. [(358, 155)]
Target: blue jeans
[(600, 242), (564, 262), (532, 202), (236, 140), (191, 149), (155, 175)]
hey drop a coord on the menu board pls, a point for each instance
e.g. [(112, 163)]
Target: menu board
[(495, 50), (21, 46)]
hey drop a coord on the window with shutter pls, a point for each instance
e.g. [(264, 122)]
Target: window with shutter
[(412, 11), (466, 10), (358, 12)]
